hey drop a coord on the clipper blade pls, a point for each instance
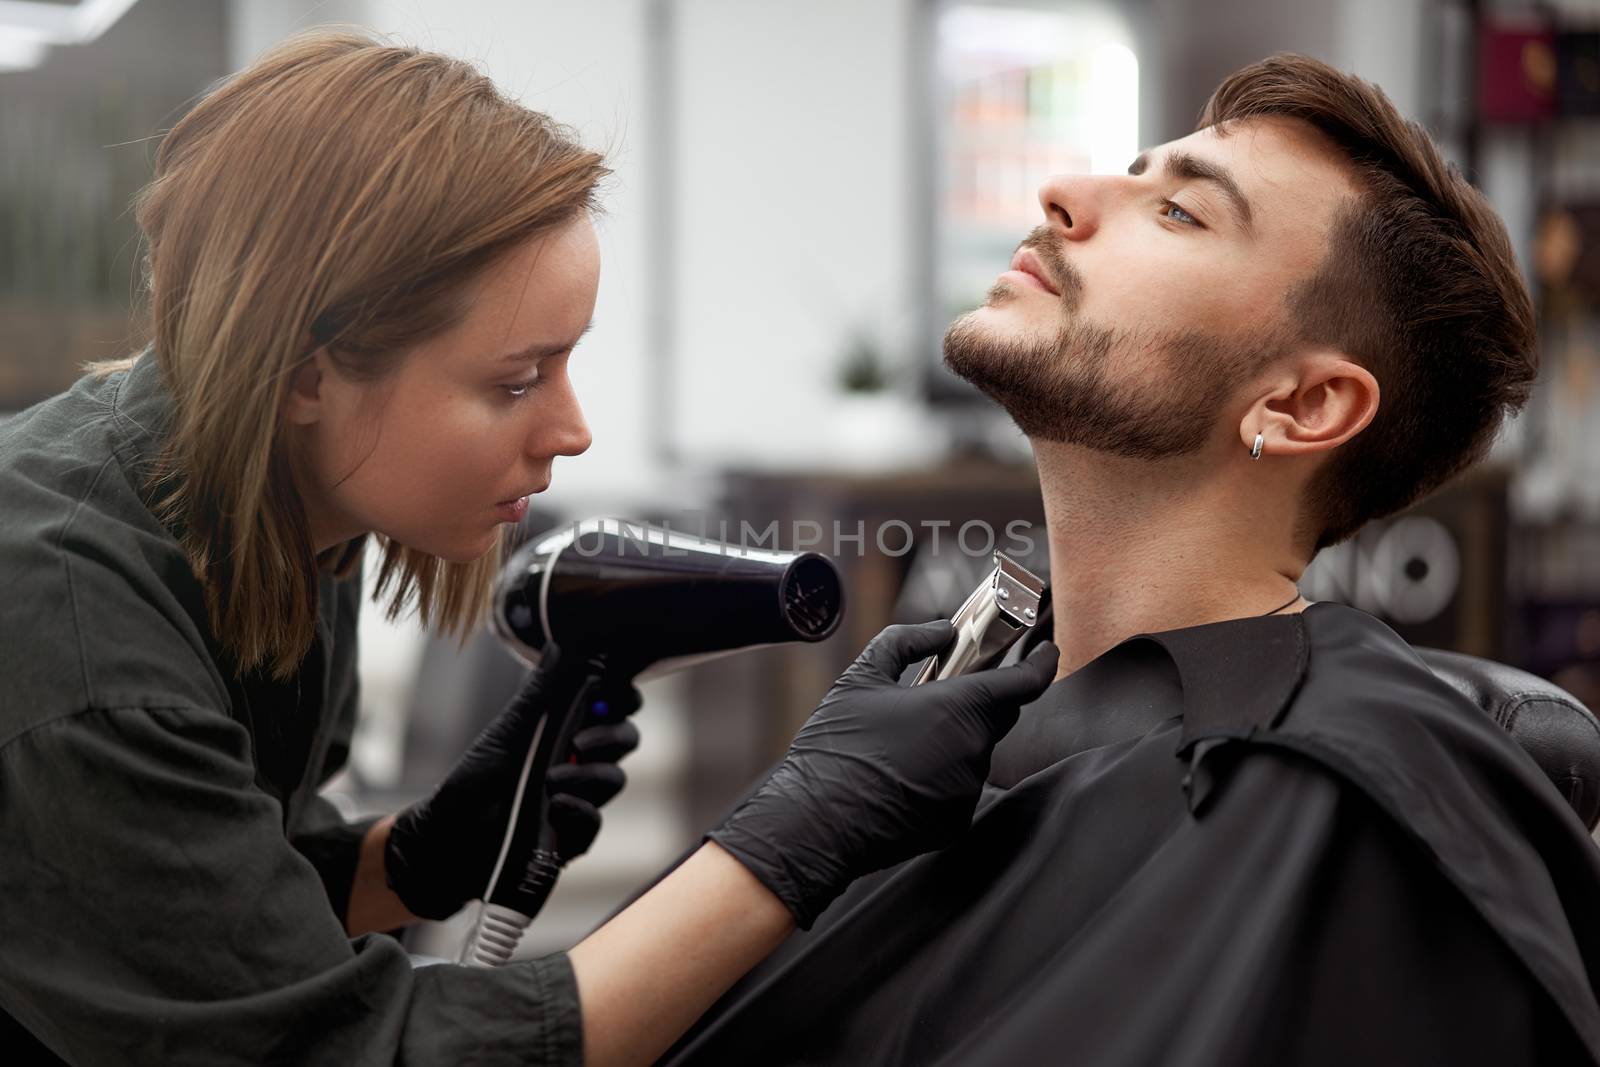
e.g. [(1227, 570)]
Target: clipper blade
[(997, 613)]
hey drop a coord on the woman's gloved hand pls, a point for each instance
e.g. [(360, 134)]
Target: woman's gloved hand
[(880, 772), (442, 850)]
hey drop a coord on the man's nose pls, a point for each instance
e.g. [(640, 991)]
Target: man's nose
[(1072, 204)]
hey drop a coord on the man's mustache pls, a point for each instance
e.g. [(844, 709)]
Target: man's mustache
[(1047, 246)]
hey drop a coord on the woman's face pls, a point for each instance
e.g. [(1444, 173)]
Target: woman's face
[(471, 420)]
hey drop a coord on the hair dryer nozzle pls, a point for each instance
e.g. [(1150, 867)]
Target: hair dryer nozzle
[(650, 597)]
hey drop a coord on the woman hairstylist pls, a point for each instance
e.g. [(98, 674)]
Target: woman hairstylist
[(367, 272)]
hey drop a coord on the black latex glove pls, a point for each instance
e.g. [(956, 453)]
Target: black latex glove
[(442, 850), (880, 772), (581, 786)]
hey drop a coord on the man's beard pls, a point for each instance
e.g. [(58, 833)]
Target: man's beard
[(1061, 389)]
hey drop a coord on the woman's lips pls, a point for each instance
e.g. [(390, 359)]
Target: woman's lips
[(535, 491), (512, 510)]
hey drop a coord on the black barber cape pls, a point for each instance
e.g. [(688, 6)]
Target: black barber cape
[(170, 882), (1267, 841)]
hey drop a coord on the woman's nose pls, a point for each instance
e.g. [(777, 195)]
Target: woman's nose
[(564, 432), (1071, 204), (575, 437)]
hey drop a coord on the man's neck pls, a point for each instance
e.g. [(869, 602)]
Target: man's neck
[(1138, 547)]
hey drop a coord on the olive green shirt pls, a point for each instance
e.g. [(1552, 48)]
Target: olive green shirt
[(171, 884)]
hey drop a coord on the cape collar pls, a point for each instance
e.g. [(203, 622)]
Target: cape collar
[(1223, 678), (1238, 676)]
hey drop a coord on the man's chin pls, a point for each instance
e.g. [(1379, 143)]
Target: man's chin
[(983, 343)]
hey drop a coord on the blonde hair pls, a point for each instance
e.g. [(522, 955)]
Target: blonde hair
[(340, 192)]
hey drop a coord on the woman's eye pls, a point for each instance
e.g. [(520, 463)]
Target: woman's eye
[(1167, 209), (522, 389)]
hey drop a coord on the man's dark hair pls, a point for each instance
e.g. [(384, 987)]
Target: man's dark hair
[(1419, 285)]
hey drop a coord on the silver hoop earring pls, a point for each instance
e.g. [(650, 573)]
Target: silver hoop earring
[(1255, 449)]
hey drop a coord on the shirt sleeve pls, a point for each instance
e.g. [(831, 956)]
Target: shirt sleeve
[(332, 846), (155, 913), (319, 831)]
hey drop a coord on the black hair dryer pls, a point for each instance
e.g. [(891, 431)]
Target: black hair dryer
[(621, 600), (652, 599)]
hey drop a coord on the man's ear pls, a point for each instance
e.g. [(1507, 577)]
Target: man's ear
[(303, 403), (1312, 405)]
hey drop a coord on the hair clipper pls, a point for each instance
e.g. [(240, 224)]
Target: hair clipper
[(1003, 608)]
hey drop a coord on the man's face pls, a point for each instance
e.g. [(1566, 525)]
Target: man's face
[(1143, 301)]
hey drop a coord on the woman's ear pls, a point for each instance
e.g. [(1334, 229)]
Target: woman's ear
[(303, 403)]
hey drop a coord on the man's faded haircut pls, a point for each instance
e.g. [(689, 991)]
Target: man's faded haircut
[(1419, 285)]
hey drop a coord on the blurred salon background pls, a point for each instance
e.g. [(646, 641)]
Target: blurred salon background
[(805, 195)]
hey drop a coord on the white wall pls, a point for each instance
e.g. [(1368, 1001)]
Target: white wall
[(256, 25), (795, 213), (1382, 41)]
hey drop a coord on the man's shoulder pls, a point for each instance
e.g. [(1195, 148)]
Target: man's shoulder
[(1372, 713), (1371, 708), (1363, 679)]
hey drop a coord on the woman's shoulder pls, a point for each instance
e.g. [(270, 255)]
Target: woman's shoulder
[(66, 475), (98, 605), (56, 443)]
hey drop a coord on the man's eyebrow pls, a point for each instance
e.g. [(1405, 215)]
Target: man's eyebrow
[(528, 355), (1181, 164)]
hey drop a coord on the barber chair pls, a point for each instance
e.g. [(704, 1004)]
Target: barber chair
[(1561, 735)]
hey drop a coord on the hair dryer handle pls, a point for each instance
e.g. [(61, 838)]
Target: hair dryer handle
[(529, 864), (529, 867)]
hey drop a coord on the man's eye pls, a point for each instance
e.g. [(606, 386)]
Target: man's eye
[(1167, 209)]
